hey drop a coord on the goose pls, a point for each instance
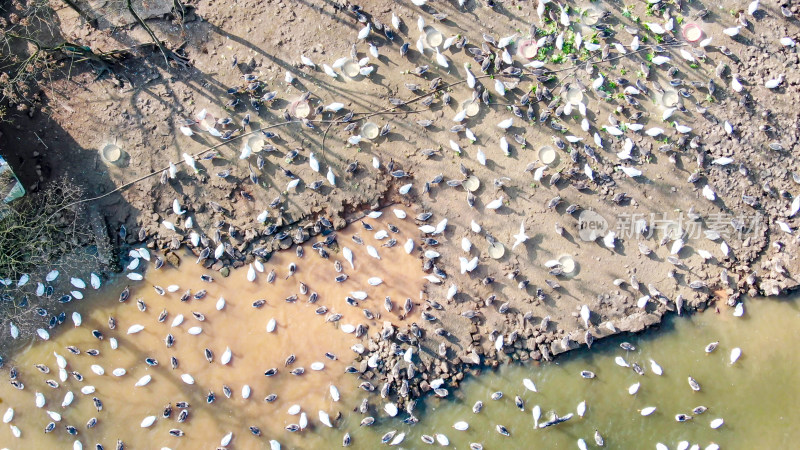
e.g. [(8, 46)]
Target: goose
[(655, 368)]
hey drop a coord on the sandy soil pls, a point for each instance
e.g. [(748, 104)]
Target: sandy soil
[(140, 108)]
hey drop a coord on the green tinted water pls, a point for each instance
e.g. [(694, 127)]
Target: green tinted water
[(756, 397)]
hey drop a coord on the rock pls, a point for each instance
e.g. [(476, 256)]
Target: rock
[(173, 259), (285, 244), (225, 271)]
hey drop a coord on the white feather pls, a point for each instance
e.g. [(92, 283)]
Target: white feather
[(190, 161), (631, 172), (708, 193), (176, 207), (329, 71), (528, 383), (653, 132), (94, 279), (499, 87), (409, 246), (735, 354), (608, 239), (470, 76), (420, 45), (440, 227), (538, 173), (452, 291), (475, 227), (143, 381), (251, 274), (795, 207), (307, 61), (495, 204), (732, 31), (226, 356), (372, 251), (774, 83), (504, 146), (331, 177), (655, 28), (736, 85), (441, 59), (752, 7), (659, 60), (481, 157), (784, 226)]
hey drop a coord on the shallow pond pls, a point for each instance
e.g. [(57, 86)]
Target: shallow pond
[(755, 396), (300, 330)]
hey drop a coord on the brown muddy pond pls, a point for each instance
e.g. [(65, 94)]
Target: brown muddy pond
[(300, 330), (755, 396)]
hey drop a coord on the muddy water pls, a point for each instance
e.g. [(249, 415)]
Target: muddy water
[(756, 397), (239, 326)]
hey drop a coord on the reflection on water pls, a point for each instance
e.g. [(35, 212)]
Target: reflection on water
[(300, 331), (756, 396)]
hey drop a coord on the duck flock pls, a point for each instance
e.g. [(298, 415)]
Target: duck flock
[(493, 70), (543, 417), (84, 375), (351, 299)]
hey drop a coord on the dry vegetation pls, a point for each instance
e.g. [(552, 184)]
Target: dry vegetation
[(41, 232)]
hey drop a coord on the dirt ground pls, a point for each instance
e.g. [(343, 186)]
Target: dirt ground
[(141, 106)]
